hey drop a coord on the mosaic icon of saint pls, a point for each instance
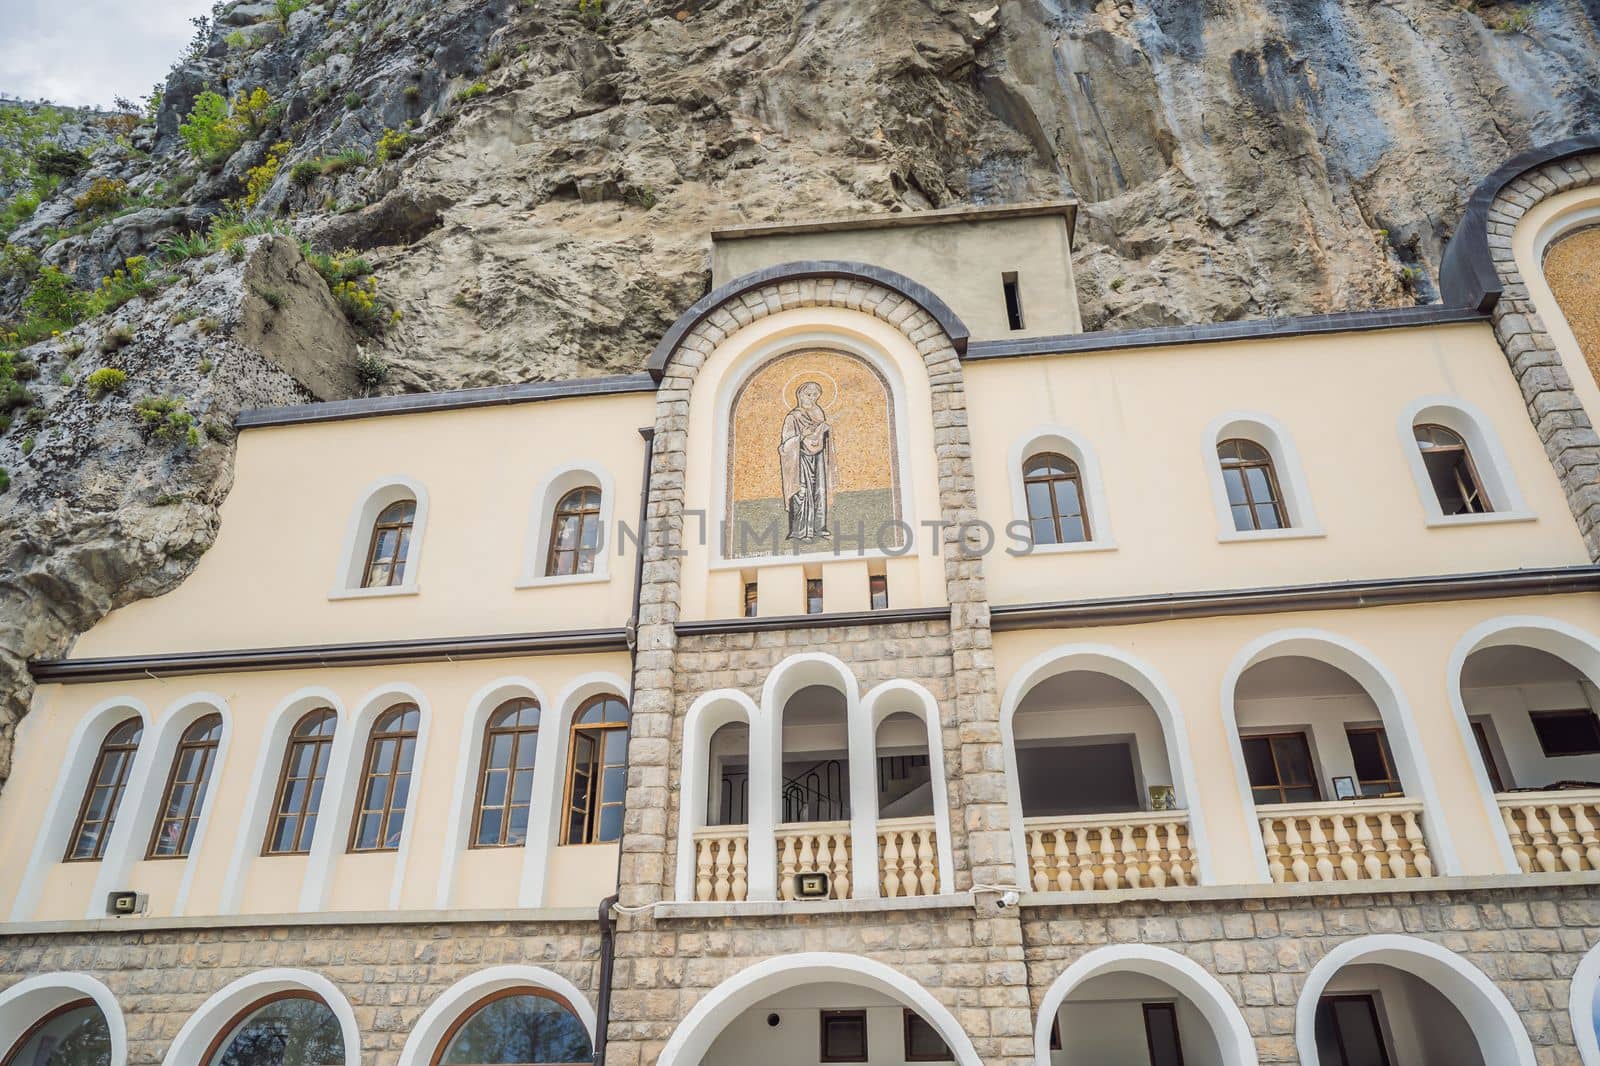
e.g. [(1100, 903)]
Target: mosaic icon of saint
[(805, 455)]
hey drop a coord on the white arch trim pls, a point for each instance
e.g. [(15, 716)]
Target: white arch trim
[(1052, 438), (1383, 688), (1574, 646), (1495, 1026), (1179, 972), (207, 1023), (710, 712), (459, 997), (541, 516), (463, 801), (140, 801), (1488, 458), (1143, 679), (908, 697), (343, 783), (1270, 434), (1581, 1003), (30, 999), (701, 1027), (264, 786), (358, 536), (60, 817)]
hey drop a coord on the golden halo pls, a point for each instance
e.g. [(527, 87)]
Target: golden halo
[(822, 378)]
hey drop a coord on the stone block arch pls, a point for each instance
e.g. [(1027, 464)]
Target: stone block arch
[(207, 1023)]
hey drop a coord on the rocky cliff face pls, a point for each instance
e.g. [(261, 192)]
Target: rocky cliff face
[(526, 189)]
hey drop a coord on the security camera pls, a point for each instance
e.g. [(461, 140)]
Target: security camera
[(1008, 899)]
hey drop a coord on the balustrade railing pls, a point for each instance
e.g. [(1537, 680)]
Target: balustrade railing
[(1357, 840), (721, 861), (814, 847), (1084, 852), (908, 857), (1553, 832)]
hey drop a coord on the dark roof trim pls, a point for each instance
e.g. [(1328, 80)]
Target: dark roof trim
[(412, 403), (803, 270), (813, 621), (1213, 332), (377, 653), (1467, 277), (1324, 596)]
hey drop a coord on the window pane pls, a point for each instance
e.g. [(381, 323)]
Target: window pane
[(923, 1042), (500, 750), (1044, 531), (489, 826), (1038, 499), (519, 1029), (285, 1032), (1233, 480), (76, 1037), (1575, 732), (1258, 761), (610, 825), (567, 532), (1294, 759), (1366, 753), (844, 1036), (527, 750), (1267, 517), (494, 788), (1067, 498), (1161, 1034), (1243, 518), (1442, 473)]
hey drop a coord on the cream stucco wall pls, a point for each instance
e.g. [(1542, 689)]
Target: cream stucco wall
[(1341, 400), (1412, 646), (961, 261), (434, 868), (267, 582)]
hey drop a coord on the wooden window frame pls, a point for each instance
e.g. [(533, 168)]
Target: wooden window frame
[(504, 993), (911, 1017), (592, 811), (1304, 738), (400, 563), (399, 710), (876, 584), (752, 599), (202, 784), (516, 733), (218, 1042), (814, 584), (1474, 495), (584, 514), (1535, 717), (1145, 1010), (822, 1035), (1238, 462), (1387, 754), (1480, 734), (118, 790), (9, 1055), (1377, 1021), (319, 758), (1075, 476)]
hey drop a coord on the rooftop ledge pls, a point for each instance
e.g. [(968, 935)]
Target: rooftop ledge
[(1067, 209)]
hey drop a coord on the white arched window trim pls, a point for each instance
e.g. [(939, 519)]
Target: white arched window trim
[(710, 712), (541, 517), (264, 789), (147, 781), (443, 1012), (30, 999), (1488, 459), (908, 697), (1113, 662), (358, 539), (1501, 1038), (1179, 972), (1057, 439), (60, 817), (1383, 688), (206, 1024), (1268, 433), (343, 785), (1585, 986)]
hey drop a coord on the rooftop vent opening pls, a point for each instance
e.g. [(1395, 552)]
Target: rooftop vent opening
[(1008, 281)]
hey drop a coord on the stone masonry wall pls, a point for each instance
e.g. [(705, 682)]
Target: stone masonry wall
[(1565, 428), (389, 973)]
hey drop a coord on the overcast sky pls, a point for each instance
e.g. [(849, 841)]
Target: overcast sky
[(88, 51)]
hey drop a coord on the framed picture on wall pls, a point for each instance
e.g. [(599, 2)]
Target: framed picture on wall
[(1344, 788)]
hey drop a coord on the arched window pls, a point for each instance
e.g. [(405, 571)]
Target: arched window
[(386, 780), (505, 780), (597, 777), (74, 1034), (389, 546), (185, 795), (1252, 485), (575, 533), (305, 768), (1451, 470), (1053, 487), (285, 1029), (103, 797), (516, 1027)]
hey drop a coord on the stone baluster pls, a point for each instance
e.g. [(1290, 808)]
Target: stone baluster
[(1065, 871), (1417, 844), (723, 882), (787, 869), (1080, 852), (1130, 858), (1370, 859), (1036, 859), (1587, 835), (841, 866), (1269, 842), (1297, 850), (1519, 840), (1153, 854), (741, 881), (1347, 850), (1176, 855), (1108, 860), (891, 864), (1391, 844), (909, 882), (929, 879), (702, 881), (1542, 855), (1319, 850), (1564, 840)]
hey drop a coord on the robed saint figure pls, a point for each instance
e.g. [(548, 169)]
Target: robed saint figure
[(805, 455)]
